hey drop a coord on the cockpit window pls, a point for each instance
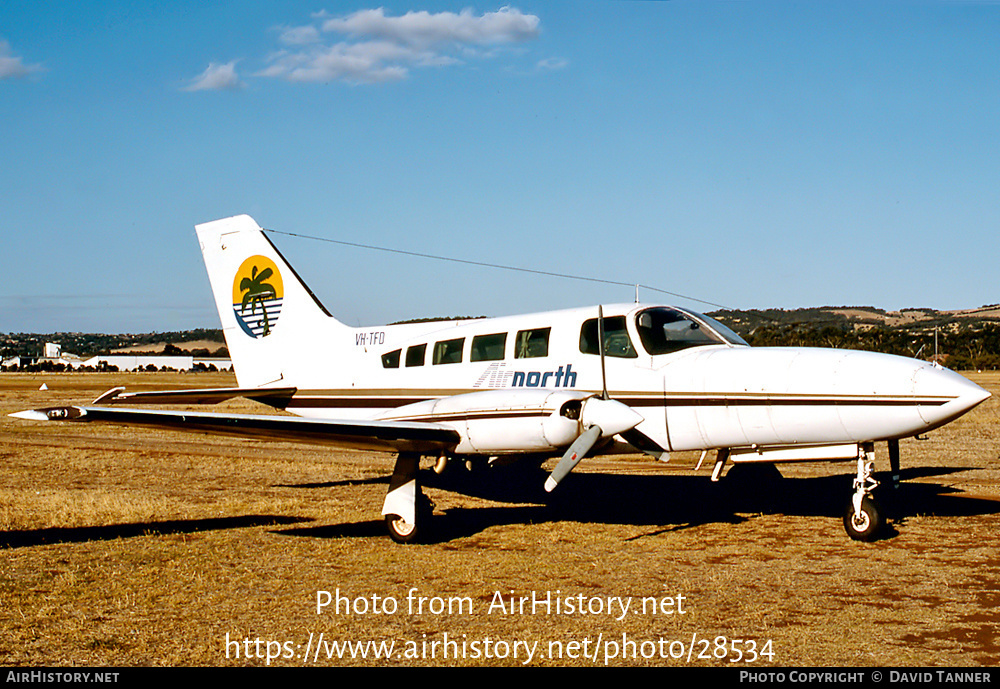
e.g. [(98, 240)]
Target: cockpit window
[(616, 340), (665, 330)]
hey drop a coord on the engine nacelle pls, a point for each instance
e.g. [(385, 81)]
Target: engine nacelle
[(503, 421)]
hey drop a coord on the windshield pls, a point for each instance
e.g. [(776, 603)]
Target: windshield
[(664, 330), (722, 329)]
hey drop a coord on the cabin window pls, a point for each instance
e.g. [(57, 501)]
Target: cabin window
[(488, 347), (532, 343), (617, 343), (415, 355), (391, 360), (449, 351)]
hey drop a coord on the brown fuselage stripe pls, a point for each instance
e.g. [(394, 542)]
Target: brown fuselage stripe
[(377, 402)]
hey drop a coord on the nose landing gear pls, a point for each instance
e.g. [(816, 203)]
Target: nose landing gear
[(863, 519)]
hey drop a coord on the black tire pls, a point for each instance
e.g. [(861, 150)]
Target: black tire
[(401, 531), (868, 526)]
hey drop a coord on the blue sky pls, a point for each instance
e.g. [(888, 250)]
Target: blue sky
[(751, 154)]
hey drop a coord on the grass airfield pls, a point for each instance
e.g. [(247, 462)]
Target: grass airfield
[(122, 547)]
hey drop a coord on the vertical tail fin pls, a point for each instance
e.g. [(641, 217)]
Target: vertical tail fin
[(268, 314)]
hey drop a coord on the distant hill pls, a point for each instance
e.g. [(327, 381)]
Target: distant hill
[(857, 317), (964, 339)]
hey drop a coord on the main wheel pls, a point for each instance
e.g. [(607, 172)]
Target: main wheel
[(399, 530), (403, 531), (867, 525)]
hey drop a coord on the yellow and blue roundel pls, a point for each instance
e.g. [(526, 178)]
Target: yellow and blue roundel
[(257, 296)]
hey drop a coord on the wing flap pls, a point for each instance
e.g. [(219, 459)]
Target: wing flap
[(379, 436)]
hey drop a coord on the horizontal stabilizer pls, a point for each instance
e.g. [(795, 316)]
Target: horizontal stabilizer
[(274, 397), (379, 436)]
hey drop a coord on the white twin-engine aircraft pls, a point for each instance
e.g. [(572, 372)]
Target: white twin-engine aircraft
[(660, 378)]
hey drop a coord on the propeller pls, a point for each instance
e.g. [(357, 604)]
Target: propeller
[(601, 418)]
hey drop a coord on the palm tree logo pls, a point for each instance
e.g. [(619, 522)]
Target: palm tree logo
[(258, 292), (257, 284)]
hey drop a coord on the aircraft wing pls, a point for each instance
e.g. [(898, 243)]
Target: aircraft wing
[(380, 436)]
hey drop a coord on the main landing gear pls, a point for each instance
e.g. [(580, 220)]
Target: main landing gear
[(406, 509)]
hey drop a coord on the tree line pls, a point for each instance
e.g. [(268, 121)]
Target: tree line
[(963, 346)]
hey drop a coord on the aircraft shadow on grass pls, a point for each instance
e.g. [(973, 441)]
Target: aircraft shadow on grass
[(668, 502), (110, 532)]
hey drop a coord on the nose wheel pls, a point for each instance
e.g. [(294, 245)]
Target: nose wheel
[(865, 523)]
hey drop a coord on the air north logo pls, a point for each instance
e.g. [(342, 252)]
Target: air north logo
[(257, 296)]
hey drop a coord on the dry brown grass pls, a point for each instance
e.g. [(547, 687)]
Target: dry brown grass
[(125, 547)]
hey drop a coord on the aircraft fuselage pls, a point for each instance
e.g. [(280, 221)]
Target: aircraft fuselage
[(704, 395)]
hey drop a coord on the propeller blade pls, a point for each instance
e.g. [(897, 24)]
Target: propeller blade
[(577, 451), (600, 341), (642, 442), (603, 419)]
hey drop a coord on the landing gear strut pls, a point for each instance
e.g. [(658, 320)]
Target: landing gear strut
[(407, 511), (863, 519)]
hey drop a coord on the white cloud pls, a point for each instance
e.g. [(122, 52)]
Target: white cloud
[(424, 29), (552, 63), (12, 66), (375, 48), (216, 78), (299, 35), (355, 63)]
